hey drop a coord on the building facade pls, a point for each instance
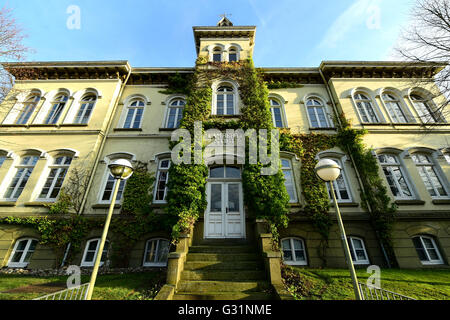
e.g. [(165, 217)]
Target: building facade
[(83, 115)]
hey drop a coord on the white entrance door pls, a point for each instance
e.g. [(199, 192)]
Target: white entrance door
[(224, 217)]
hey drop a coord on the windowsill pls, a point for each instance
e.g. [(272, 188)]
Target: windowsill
[(441, 201), (127, 129), (167, 129), (73, 125), (409, 202), (226, 116), (347, 204), (43, 125), (38, 203), (7, 203), (15, 125), (376, 124), (324, 129), (105, 206), (158, 205)]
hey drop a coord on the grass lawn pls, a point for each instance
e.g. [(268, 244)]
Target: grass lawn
[(132, 286), (335, 284)]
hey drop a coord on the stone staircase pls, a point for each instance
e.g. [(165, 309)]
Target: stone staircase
[(223, 270)]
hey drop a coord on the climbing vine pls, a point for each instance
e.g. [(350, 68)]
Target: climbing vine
[(265, 196)]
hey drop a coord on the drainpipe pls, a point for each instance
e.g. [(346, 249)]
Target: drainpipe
[(102, 145), (335, 110), (97, 157)]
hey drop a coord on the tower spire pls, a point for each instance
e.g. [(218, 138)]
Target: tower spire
[(224, 22)]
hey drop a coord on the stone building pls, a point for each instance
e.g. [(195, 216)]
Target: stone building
[(86, 114)]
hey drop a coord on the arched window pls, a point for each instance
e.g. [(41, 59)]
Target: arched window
[(23, 173), (57, 108), (217, 54), (317, 113), (175, 113), (358, 250), (226, 172), (90, 252), (427, 250), (135, 110), (286, 167), (365, 108), (162, 177), (395, 175), (86, 106), (225, 102), (394, 108), (340, 185), (429, 174), (22, 252), (28, 108), (232, 55), (294, 251), (156, 253), (277, 113), (424, 109), (55, 179), (3, 156)]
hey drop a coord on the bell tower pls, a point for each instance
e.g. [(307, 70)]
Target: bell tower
[(224, 42)]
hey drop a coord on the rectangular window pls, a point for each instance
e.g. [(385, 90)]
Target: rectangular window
[(395, 177), (289, 180), (109, 189), (19, 181), (55, 179), (161, 181), (340, 186), (430, 178)]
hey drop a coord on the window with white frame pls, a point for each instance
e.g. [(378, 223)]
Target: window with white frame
[(86, 106), (232, 55), (427, 250), (90, 252), (277, 113), (294, 251), (135, 110), (394, 108), (22, 252), (175, 113), (23, 173), (2, 159), (446, 156), (217, 54), (365, 108), (162, 178), (28, 108), (425, 110), (156, 253), (358, 250), (317, 113), (395, 176), (55, 179), (340, 185), (428, 173), (225, 104), (109, 189), (57, 108), (286, 167)]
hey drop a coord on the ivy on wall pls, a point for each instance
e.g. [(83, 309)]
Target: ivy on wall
[(126, 229), (265, 196)]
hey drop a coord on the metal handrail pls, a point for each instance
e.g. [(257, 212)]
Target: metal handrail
[(375, 293), (79, 291)]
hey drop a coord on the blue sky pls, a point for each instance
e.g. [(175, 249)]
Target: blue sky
[(151, 33)]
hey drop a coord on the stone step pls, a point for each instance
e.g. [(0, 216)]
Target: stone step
[(223, 296), (223, 286), (223, 257), (217, 265), (224, 275), (223, 249)]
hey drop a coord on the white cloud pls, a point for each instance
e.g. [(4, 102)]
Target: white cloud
[(359, 13)]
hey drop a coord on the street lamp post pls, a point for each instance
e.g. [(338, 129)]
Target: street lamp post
[(121, 170), (328, 170)]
